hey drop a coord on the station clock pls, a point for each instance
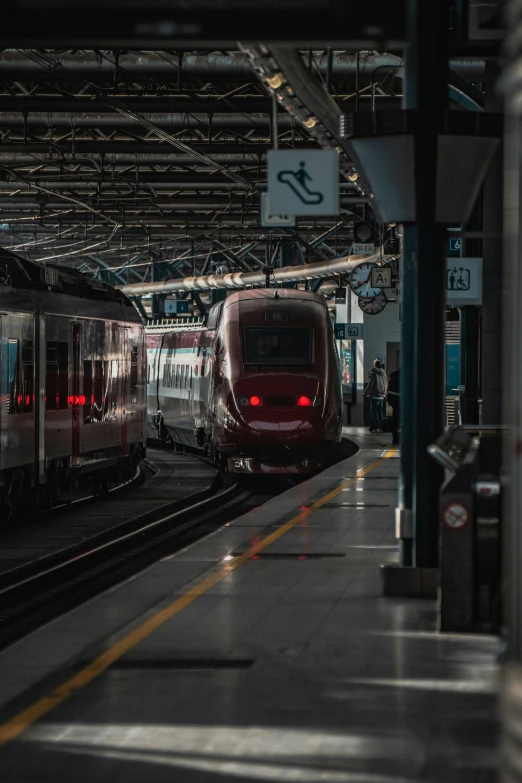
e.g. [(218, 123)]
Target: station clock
[(360, 280), (373, 306)]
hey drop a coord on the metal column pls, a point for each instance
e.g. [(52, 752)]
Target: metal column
[(511, 683), (423, 287)]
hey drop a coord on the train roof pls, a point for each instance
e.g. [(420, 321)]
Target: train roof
[(274, 293), (20, 273)]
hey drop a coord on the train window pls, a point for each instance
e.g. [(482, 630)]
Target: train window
[(277, 345), (177, 375), (110, 397), (148, 374), (202, 368), (97, 406), (27, 351), (196, 370), (63, 375), (87, 392), (134, 375), (214, 316), (187, 379), (106, 396), (190, 377), (13, 377), (182, 376)]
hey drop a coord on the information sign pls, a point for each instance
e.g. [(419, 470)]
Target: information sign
[(363, 248), (178, 306), (454, 246), (267, 220), (348, 331), (455, 515), (463, 281), (303, 182), (381, 277)]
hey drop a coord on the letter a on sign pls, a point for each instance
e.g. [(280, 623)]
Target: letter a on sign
[(381, 277)]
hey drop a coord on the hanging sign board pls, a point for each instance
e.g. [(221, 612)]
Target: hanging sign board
[(340, 295), (348, 331), (303, 182), (463, 281), (267, 220), (381, 277), (363, 248), (454, 245)]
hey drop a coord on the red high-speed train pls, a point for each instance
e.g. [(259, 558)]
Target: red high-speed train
[(257, 387)]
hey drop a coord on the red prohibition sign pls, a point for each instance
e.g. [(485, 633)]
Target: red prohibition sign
[(455, 515)]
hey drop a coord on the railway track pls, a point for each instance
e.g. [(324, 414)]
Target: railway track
[(41, 590)]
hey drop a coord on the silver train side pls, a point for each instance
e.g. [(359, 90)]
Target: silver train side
[(72, 384)]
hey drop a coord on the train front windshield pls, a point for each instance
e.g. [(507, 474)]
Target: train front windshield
[(277, 345)]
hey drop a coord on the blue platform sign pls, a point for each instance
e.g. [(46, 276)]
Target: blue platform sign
[(348, 331), (454, 246), (452, 369)]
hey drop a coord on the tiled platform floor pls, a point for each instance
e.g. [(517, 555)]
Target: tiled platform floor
[(333, 682)]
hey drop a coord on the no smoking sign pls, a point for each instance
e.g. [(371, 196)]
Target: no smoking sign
[(455, 515)]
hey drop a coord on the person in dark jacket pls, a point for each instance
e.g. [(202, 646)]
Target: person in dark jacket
[(394, 399), (376, 391)]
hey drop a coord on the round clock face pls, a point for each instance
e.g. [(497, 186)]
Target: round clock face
[(360, 280), (375, 305)]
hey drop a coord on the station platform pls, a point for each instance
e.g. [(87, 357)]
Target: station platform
[(263, 652)]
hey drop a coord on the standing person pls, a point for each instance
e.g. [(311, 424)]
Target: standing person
[(394, 399), (376, 391)]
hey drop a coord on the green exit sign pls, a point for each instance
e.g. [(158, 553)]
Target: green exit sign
[(454, 246)]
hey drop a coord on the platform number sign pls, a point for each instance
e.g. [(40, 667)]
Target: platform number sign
[(348, 331), (454, 246), (381, 277)]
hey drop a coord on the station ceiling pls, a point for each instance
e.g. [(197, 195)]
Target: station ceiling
[(157, 159)]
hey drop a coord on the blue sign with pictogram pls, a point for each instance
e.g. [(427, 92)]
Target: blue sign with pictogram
[(454, 246)]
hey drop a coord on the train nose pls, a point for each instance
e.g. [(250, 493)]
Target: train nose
[(279, 409)]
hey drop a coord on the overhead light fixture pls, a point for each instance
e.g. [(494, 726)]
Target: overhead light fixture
[(275, 81)]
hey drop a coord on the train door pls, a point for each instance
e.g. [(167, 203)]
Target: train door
[(124, 382), (75, 394), (1, 395), (40, 376)]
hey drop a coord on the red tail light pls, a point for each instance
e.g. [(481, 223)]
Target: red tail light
[(255, 401), (304, 402)]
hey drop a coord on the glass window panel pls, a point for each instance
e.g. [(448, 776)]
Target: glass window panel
[(277, 345), (87, 391)]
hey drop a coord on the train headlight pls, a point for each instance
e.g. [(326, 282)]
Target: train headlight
[(255, 401), (244, 401)]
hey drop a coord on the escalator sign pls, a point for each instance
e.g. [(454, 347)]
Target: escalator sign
[(303, 182)]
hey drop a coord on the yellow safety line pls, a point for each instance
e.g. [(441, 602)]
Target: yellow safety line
[(21, 722)]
